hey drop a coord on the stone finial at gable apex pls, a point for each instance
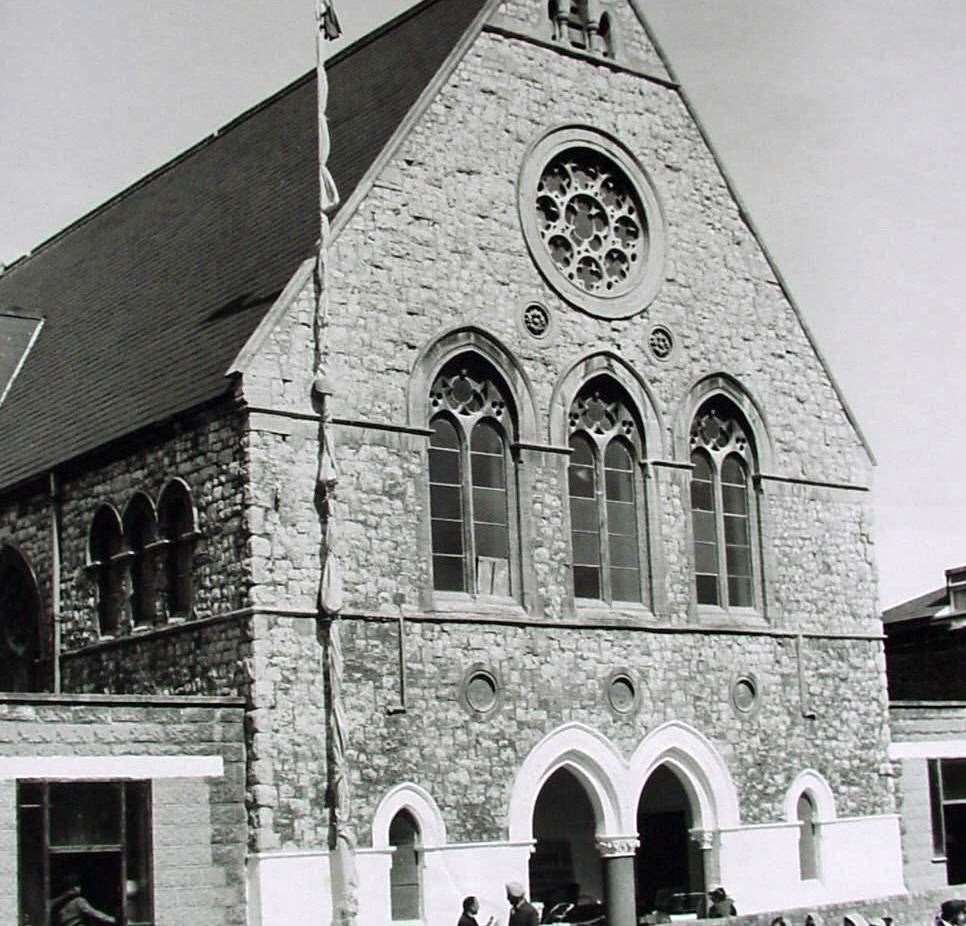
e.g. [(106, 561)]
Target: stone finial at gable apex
[(328, 20)]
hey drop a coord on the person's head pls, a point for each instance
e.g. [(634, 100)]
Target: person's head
[(514, 892), (471, 905), (72, 881), (953, 911)]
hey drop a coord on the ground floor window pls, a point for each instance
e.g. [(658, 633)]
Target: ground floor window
[(92, 834), (947, 799)]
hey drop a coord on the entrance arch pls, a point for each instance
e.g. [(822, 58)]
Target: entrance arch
[(669, 864), (565, 865)]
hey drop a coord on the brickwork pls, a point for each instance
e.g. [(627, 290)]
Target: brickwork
[(200, 828), (922, 722), (8, 852)]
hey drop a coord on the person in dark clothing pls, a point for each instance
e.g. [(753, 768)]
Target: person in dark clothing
[(521, 912), (721, 904), (471, 906), (70, 908)]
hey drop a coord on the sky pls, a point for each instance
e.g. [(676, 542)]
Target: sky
[(839, 123)]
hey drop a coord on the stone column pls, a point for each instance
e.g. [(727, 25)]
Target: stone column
[(705, 841), (618, 855)]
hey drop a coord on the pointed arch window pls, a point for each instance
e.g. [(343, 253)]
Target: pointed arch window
[(807, 815), (605, 495), (141, 537), (108, 564), (471, 483), (21, 646), (405, 891), (177, 529), (722, 507)]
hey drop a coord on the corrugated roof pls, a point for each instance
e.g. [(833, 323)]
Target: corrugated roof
[(148, 299)]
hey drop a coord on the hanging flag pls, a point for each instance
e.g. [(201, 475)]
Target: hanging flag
[(328, 20)]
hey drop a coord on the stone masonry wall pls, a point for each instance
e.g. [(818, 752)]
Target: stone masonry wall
[(435, 244), (199, 825), (208, 452), (551, 676), (212, 657)]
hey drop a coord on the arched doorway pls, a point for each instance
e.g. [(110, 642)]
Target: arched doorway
[(669, 866), (21, 645), (566, 863)]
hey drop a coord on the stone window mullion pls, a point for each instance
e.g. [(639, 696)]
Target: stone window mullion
[(603, 533), (722, 557), (469, 520)]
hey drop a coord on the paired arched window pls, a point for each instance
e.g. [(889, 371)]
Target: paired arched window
[(722, 506), (605, 494), (178, 531), (471, 482), (404, 883), (21, 645), (107, 562), (581, 24), (141, 538), (807, 816)]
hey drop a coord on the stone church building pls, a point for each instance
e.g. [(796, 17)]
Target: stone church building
[(524, 536)]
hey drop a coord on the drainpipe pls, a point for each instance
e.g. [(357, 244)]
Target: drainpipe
[(55, 531)]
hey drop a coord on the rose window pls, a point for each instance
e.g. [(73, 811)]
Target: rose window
[(591, 221)]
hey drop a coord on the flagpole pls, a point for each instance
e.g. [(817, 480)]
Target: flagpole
[(341, 839)]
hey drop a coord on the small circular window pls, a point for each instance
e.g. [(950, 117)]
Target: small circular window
[(480, 691), (744, 693), (621, 692), (592, 221)]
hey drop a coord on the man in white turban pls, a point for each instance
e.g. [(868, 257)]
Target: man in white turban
[(521, 912)]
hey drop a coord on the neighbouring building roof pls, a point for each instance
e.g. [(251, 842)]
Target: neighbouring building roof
[(924, 607), (148, 299)]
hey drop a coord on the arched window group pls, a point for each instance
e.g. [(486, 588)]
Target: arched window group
[(471, 480), (722, 515), (475, 506), (22, 647), (605, 445), (141, 563), (582, 24)]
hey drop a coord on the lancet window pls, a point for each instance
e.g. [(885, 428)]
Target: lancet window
[(722, 506), (178, 535), (107, 563), (605, 495), (141, 537), (471, 480)]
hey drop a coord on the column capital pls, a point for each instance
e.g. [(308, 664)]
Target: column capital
[(704, 839), (617, 846)]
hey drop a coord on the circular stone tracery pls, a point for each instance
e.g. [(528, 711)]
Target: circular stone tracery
[(591, 221)]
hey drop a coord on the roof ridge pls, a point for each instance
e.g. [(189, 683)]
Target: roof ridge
[(233, 123)]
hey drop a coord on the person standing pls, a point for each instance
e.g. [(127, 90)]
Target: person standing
[(521, 912), (471, 906)]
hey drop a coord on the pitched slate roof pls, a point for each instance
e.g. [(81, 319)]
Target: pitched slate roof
[(148, 299)]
